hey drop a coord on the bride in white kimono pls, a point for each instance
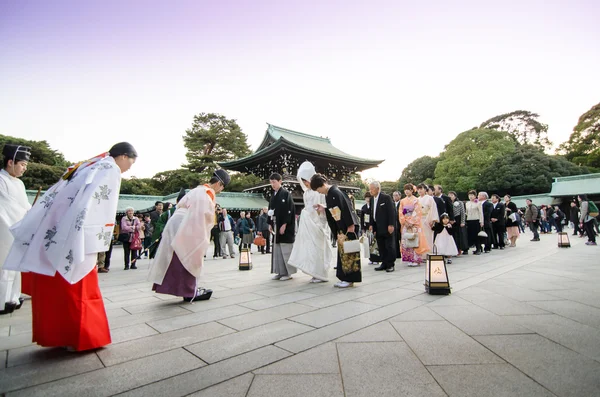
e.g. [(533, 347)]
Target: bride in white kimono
[(312, 252)]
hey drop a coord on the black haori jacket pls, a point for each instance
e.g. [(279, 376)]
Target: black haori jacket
[(285, 212)]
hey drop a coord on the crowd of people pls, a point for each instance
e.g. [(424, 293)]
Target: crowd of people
[(64, 240)]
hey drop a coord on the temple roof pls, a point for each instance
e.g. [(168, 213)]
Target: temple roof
[(277, 138)]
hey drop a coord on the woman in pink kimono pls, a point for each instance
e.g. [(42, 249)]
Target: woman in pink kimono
[(410, 216), (429, 215)]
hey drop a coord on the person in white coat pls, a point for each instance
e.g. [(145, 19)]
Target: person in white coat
[(13, 207), (312, 252)]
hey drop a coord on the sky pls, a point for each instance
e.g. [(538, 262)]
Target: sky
[(383, 79)]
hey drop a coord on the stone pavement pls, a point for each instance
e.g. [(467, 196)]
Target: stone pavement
[(520, 322)]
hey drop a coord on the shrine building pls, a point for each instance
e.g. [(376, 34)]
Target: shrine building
[(283, 151)]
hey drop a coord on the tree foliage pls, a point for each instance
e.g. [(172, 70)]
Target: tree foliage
[(419, 171), (139, 186), (468, 155), (583, 146), (523, 125), (41, 175), (239, 182), (167, 182), (211, 139)]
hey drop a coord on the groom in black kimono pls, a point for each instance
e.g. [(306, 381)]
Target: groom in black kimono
[(383, 224), (282, 221)]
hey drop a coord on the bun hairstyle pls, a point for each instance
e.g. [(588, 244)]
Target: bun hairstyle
[(410, 186), (317, 181), (123, 148), (422, 186), (473, 192)]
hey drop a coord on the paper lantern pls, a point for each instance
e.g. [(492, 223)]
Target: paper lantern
[(245, 259), (436, 276), (563, 240)]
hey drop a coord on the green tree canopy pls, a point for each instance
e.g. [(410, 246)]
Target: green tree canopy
[(468, 155), (583, 146), (213, 138), (140, 186), (239, 182), (167, 182), (419, 171), (523, 125)]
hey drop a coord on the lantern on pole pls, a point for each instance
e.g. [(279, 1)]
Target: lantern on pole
[(245, 259), (436, 275), (563, 240)]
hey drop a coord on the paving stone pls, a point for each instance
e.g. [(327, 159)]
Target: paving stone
[(483, 380), (441, 343), (449, 300), (242, 299), (502, 305), (13, 342), (579, 312), (384, 369), (227, 346), (256, 318), (133, 319), (517, 293), (336, 330), (236, 387), (126, 351), (36, 353), (582, 296), (562, 371), (381, 332), (296, 386), (132, 332), (36, 373), (266, 303), (119, 378), (576, 336), (334, 298), (423, 313), (116, 312), (319, 360), (132, 296), (199, 379), (329, 315), (3, 359), (5, 331), (141, 305), (390, 296), (473, 320), (191, 319)]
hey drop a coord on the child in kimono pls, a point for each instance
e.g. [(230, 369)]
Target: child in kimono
[(444, 242)]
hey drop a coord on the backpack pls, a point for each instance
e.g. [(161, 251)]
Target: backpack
[(539, 212), (592, 209)]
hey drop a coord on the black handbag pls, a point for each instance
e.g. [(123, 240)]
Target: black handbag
[(123, 237)]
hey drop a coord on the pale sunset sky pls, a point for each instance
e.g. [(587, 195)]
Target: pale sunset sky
[(391, 80)]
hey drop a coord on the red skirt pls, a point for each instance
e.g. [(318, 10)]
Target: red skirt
[(26, 280), (71, 315)]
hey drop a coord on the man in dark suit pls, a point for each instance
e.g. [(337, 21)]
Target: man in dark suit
[(283, 223), (449, 208), (487, 209), (397, 196), (383, 225), (439, 202), (498, 221)]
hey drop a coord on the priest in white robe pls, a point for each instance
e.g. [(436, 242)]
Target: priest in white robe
[(312, 252), (185, 239), (13, 207)]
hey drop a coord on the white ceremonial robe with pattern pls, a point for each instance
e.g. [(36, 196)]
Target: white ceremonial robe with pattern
[(13, 207), (70, 224)]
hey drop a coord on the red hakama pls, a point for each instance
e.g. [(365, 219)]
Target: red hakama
[(70, 315), (26, 281)]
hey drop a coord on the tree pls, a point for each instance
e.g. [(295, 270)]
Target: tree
[(527, 170), (465, 158), (389, 187), (41, 175), (523, 125), (583, 146), (239, 182), (167, 182), (419, 171), (213, 138), (139, 186)]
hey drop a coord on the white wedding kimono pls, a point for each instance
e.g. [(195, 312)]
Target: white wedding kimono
[(70, 223), (13, 207), (312, 252), (429, 214)]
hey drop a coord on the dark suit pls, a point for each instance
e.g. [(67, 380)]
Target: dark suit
[(449, 206), (499, 227), (441, 206), (385, 215), (487, 208)]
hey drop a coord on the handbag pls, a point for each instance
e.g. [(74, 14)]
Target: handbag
[(123, 237), (482, 234), (260, 241), (513, 217), (351, 246), (136, 242), (411, 238)]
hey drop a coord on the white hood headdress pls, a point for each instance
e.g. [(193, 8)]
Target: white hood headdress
[(306, 171)]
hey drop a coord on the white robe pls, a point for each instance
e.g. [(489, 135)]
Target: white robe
[(429, 214), (312, 252), (70, 224), (13, 207), (187, 234)]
